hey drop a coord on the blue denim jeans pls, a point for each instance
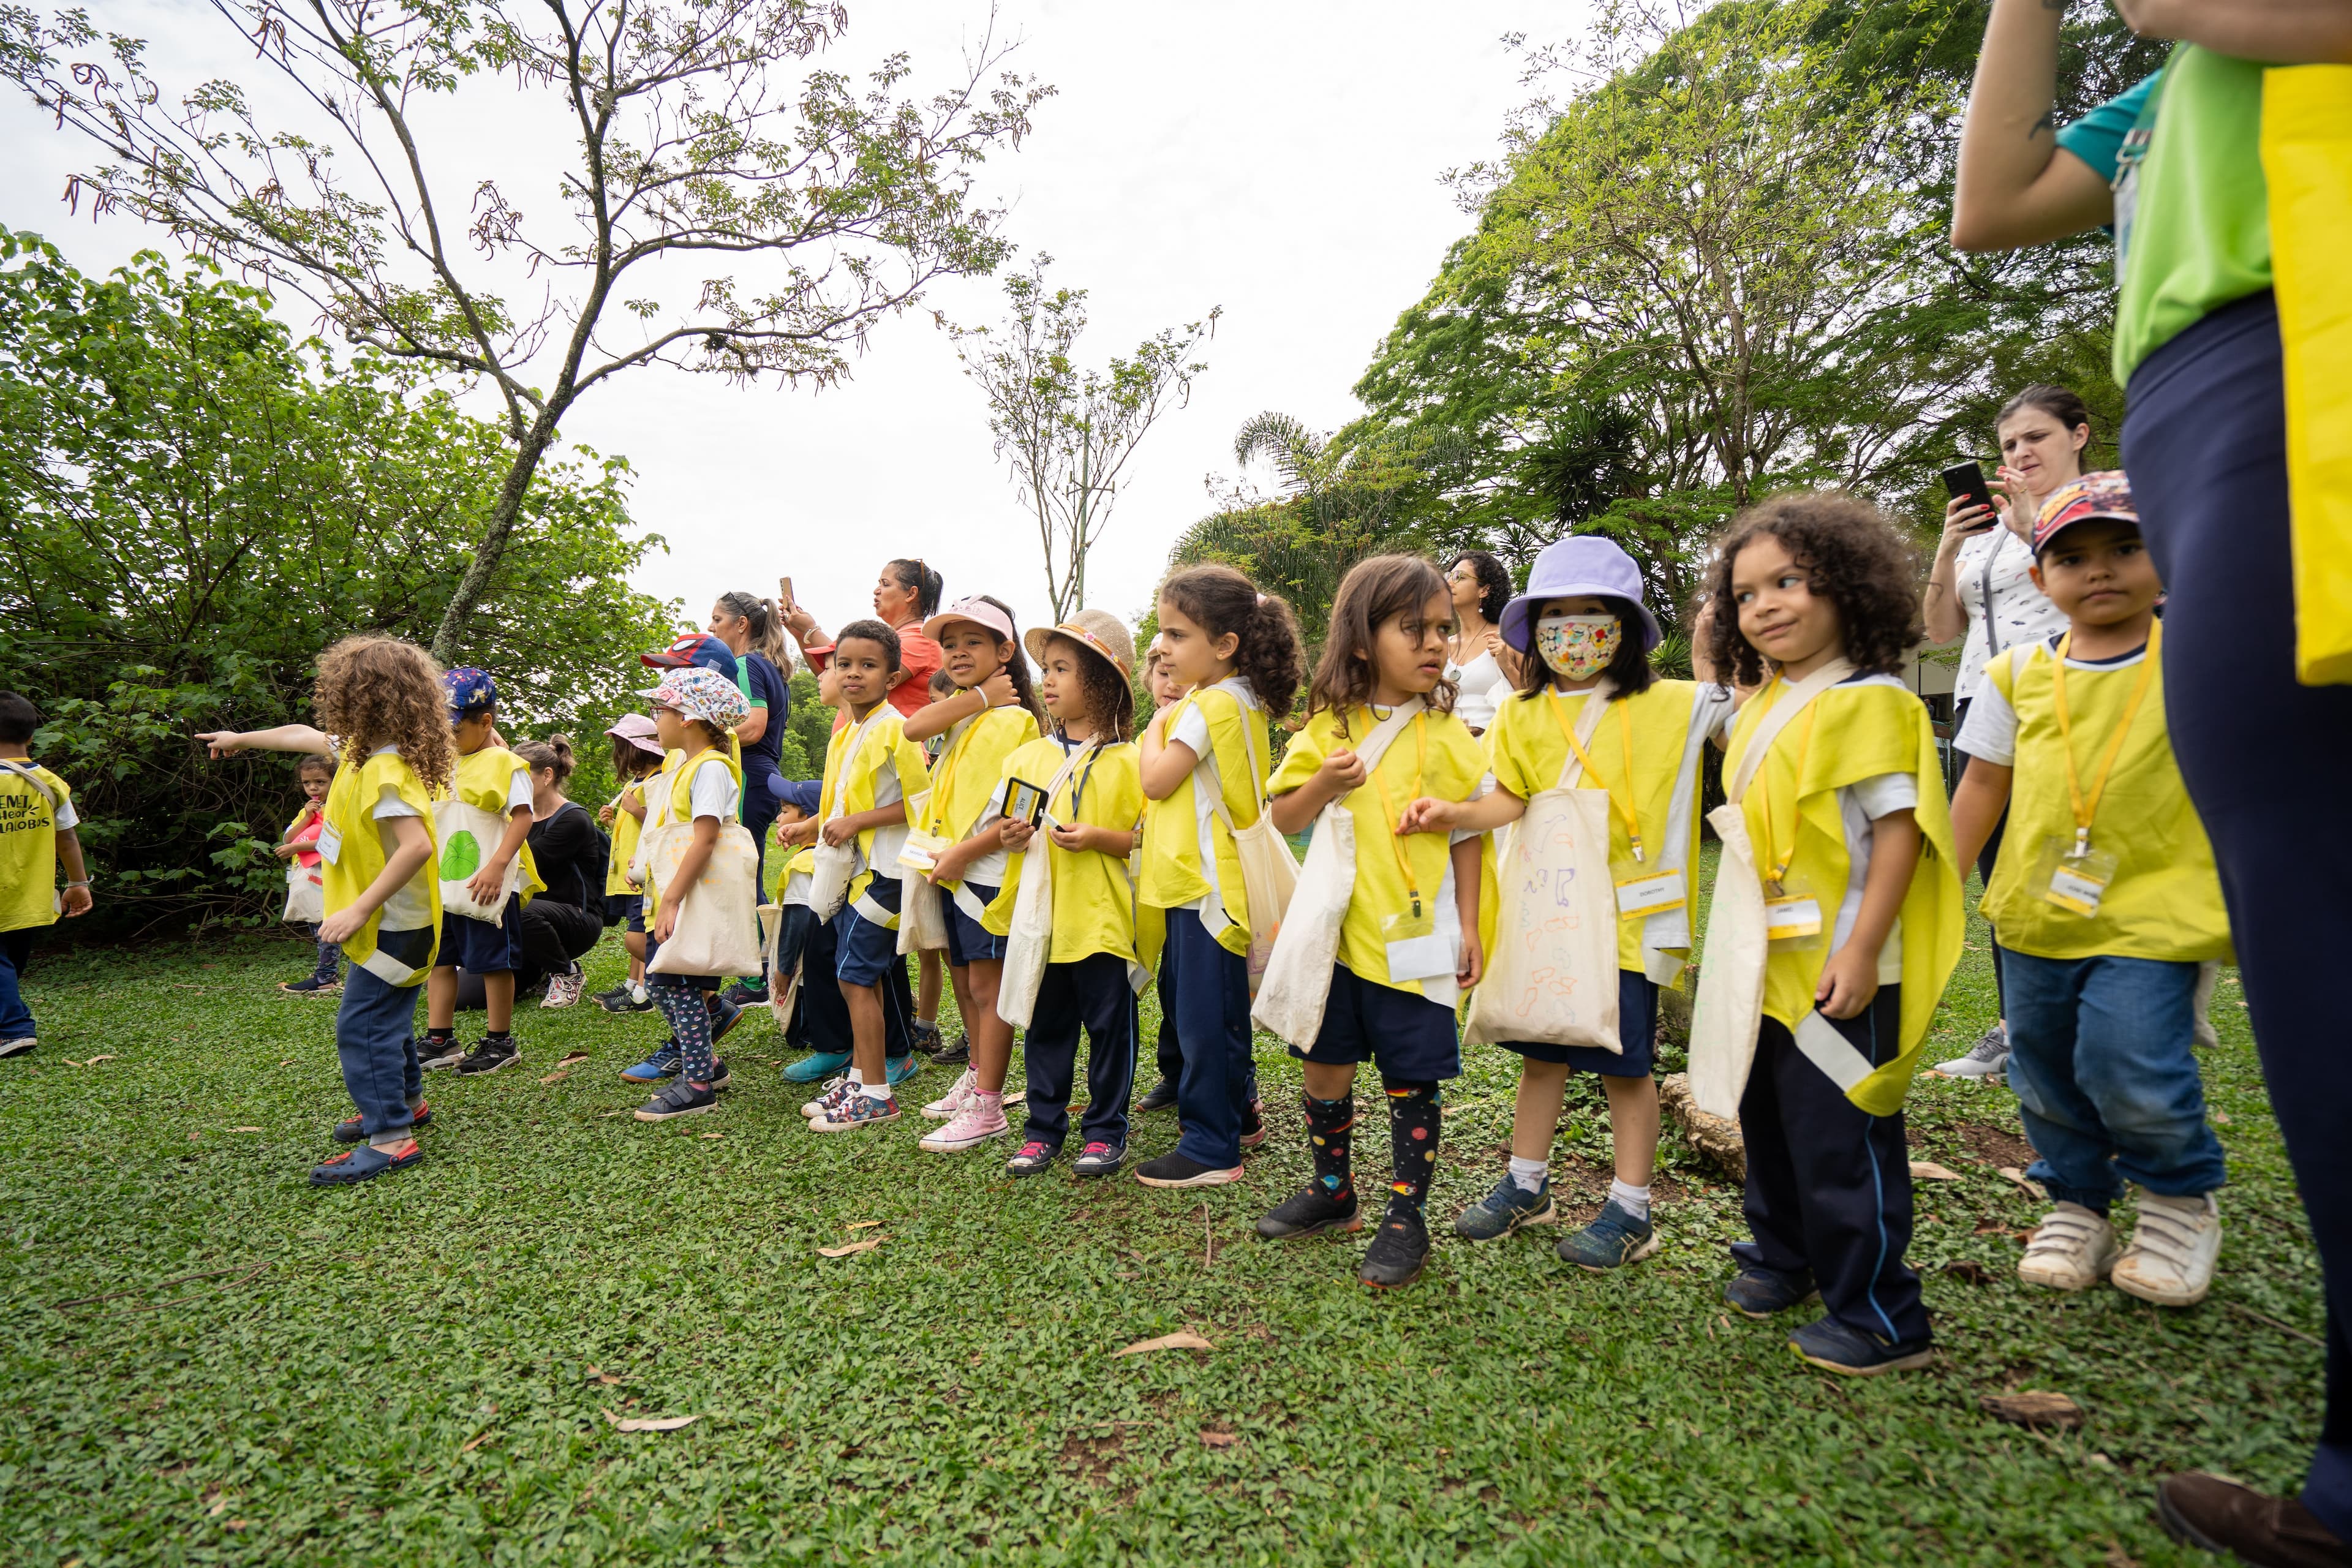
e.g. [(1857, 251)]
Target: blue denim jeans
[(16, 1019), (375, 1035), (2103, 1060)]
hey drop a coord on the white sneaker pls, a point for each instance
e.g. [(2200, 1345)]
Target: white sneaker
[(2073, 1250), (563, 990), (837, 1090), (961, 1094), (1988, 1057), (2173, 1247), (982, 1119), (12, 1048)]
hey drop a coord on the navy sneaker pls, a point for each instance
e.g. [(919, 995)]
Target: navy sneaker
[(1159, 1097), (927, 1038), (724, 1019), (744, 992), (1504, 1210), (816, 1067), (1099, 1159), (311, 985), (680, 1099), (1614, 1239), (663, 1064), (626, 999), (490, 1056), (1829, 1344), (355, 1129), (363, 1163), (1032, 1159), (1759, 1293), (1310, 1211)]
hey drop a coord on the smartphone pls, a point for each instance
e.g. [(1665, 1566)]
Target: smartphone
[(784, 587), (1966, 481), (1024, 802)]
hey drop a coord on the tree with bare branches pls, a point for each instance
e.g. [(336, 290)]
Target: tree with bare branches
[(1068, 433), (694, 131)]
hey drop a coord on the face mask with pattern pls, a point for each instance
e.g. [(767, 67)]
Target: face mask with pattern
[(1577, 647)]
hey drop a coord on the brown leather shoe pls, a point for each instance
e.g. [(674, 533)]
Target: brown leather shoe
[(2260, 1530)]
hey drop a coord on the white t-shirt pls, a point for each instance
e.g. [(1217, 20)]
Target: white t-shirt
[(1991, 730), (406, 909), (1192, 730), (1992, 573), (1479, 686)]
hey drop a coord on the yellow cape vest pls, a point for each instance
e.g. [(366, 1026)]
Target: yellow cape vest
[(360, 859), (1171, 839), (29, 847), (679, 803)]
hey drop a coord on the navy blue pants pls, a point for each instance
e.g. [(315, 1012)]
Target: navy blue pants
[(1169, 1054), (1210, 989), (1829, 1184), (16, 1019), (1094, 992), (820, 1012), (2265, 760)]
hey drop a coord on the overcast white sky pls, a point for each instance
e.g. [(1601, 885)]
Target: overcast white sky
[(1282, 161)]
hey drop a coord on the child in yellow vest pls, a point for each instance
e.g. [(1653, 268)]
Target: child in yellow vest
[(1089, 826), (2105, 905), (871, 771), (382, 701), (37, 831), (637, 756), (1410, 942), (490, 778), (1852, 841), (1163, 689), (1582, 624), (1204, 759), (694, 711), (298, 845)]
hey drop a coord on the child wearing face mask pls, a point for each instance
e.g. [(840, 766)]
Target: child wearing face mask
[(1587, 638)]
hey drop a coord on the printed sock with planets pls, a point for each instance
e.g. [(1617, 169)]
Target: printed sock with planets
[(1330, 1126), (1413, 1142)]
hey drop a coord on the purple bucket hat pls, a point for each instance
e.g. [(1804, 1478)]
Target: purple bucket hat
[(1585, 563)]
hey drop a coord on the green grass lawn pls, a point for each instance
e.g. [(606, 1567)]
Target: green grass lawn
[(203, 1360)]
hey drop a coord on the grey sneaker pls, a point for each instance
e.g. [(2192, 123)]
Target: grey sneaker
[(1504, 1210), (1988, 1058), (1614, 1239)]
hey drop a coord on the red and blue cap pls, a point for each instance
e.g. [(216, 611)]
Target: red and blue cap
[(2105, 494), (693, 650)]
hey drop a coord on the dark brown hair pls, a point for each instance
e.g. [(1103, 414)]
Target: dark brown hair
[(873, 631), (1221, 602), (1110, 701), (917, 578), (2055, 401), (553, 753), (378, 691), (1494, 581), (1016, 668), (631, 761), (1629, 672), (1374, 592), (312, 762), (1851, 554)]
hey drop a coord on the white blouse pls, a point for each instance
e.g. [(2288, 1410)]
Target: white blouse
[(1479, 686), (1992, 573)]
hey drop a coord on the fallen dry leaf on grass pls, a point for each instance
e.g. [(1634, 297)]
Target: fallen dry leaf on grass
[(2011, 1174), (476, 1443), (848, 1248), (2033, 1407), (1969, 1270), (866, 1224), (714, 1135), (1219, 1439), (556, 1077), (1182, 1340), (95, 1061), (1928, 1171), (574, 1057), (649, 1424), (244, 1129), (598, 1375)]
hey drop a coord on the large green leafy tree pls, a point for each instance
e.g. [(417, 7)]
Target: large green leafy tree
[(192, 505)]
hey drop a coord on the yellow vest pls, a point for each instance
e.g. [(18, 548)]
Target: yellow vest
[(627, 831), (1852, 733), (482, 780), (1449, 767), (28, 846), (1527, 751), (1171, 835), (400, 941), (849, 780), (675, 801), (964, 778), (2165, 901), (1095, 906)]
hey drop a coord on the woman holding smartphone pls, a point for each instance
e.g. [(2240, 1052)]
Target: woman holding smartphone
[(1983, 586)]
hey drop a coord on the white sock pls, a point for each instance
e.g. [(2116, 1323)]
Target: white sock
[(880, 1091), (1636, 1200), (1529, 1174)]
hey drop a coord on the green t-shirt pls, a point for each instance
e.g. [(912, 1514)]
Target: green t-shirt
[(2201, 234)]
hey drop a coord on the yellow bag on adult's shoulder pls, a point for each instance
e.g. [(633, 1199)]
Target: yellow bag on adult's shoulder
[(2307, 163)]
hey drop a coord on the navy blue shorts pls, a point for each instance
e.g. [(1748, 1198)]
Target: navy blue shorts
[(480, 948), (675, 981), (967, 938), (863, 950), (1409, 1038), (1637, 1031), (626, 909)]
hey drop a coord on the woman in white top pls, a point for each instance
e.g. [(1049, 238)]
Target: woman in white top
[(1481, 678), (1981, 585)]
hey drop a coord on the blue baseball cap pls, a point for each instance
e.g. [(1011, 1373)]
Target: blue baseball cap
[(468, 688), (1571, 569), (693, 650)]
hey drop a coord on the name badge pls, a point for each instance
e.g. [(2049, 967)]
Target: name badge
[(1649, 893), (1793, 920), (922, 851), (330, 845), (1416, 950), (2074, 878)]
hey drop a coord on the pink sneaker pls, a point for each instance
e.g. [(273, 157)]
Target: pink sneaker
[(958, 1096), (982, 1119)]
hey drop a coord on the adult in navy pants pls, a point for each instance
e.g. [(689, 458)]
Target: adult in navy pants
[(2266, 759)]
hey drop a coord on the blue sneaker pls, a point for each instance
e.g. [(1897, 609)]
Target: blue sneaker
[(364, 1163), (1614, 1239), (1759, 1293), (898, 1070), (724, 1019), (663, 1064), (816, 1067), (1504, 1210), (1832, 1345)]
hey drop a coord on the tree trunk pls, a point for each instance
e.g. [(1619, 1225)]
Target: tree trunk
[(492, 549)]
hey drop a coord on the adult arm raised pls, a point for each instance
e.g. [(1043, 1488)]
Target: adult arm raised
[(2017, 186)]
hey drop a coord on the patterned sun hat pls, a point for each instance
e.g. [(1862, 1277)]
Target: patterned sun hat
[(699, 693), (1097, 631), (2106, 494), (468, 688)]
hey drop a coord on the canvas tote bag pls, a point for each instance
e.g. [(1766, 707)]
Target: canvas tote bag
[(714, 934), (306, 895), (1269, 870), (1552, 976), (1029, 946), (1729, 1008), (467, 835), (922, 907), (1298, 969)]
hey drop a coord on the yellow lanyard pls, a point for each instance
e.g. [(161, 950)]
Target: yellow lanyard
[(2087, 808), (1623, 803), (1420, 772), (1804, 751)]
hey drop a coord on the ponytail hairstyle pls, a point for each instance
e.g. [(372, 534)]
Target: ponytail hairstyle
[(917, 577), (767, 626), (377, 691), (1017, 666), (1374, 592), (554, 753), (1221, 602), (1629, 673)]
